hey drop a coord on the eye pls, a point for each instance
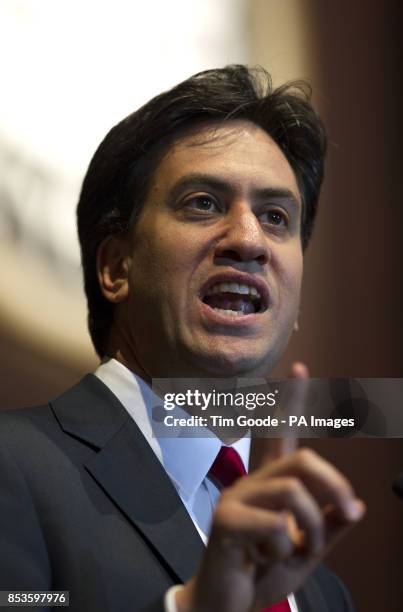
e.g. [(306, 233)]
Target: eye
[(275, 217), (203, 203)]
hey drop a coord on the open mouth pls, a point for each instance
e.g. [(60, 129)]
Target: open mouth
[(234, 299)]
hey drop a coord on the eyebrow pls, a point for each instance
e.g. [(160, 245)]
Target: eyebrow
[(196, 179)]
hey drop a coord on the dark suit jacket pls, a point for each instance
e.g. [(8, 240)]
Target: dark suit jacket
[(85, 506)]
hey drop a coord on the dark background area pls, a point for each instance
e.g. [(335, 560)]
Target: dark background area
[(354, 292)]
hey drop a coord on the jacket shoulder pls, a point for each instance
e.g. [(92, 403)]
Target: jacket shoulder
[(324, 592)]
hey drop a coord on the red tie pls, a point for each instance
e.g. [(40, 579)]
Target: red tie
[(227, 468)]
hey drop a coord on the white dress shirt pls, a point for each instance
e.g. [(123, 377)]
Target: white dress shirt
[(186, 460)]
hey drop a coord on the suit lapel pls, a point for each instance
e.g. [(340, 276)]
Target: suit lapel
[(127, 469), (310, 598)]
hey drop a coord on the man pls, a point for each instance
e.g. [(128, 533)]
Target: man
[(192, 219)]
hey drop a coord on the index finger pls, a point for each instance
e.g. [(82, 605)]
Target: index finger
[(269, 449)]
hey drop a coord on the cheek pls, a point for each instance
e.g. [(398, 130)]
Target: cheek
[(290, 273), (161, 270), (177, 254), (296, 277)]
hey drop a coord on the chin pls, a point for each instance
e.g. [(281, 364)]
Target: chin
[(222, 364)]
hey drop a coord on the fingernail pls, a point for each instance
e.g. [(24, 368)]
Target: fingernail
[(353, 510)]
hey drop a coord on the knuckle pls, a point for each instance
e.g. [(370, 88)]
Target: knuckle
[(279, 537), (224, 505), (226, 514), (225, 496), (306, 457), (343, 488), (292, 487), (316, 521), (220, 518), (279, 524)]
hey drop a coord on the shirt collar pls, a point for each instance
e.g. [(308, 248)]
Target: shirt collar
[(187, 460)]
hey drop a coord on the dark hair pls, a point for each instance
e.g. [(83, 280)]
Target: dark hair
[(119, 174)]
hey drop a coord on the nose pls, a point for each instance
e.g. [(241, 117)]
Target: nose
[(244, 239)]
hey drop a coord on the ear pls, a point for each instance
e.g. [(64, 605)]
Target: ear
[(113, 265)]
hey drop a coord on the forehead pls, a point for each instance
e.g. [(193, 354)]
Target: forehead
[(238, 152)]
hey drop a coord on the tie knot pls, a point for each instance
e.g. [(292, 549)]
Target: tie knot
[(227, 467)]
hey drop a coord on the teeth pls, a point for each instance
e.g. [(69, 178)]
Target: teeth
[(234, 288), (230, 313)]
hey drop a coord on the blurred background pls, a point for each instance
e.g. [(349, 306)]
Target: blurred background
[(71, 70)]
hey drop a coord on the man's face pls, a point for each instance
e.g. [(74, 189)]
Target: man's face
[(216, 258)]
